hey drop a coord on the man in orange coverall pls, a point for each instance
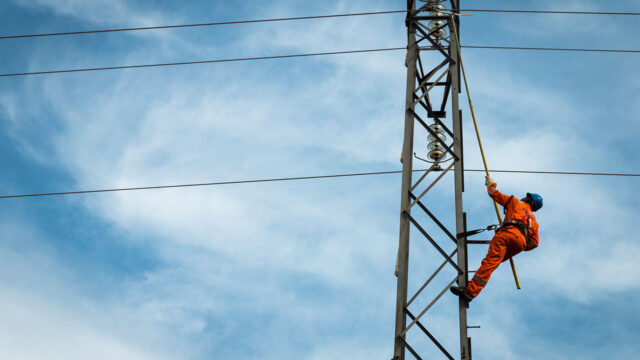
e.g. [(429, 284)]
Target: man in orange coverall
[(519, 231)]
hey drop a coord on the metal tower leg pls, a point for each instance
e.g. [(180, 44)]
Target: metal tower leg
[(427, 95), (407, 174)]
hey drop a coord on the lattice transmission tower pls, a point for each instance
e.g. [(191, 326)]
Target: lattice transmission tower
[(430, 89)]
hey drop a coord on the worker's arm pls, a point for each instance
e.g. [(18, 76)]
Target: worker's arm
[(496, 195), (534, 237)]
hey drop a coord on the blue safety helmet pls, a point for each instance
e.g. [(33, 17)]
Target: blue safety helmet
[(536, 203)]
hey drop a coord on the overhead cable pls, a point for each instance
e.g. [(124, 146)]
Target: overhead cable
[(200, 62), (299, 178), (559, 12), (298, 56), (369, 13), (549, 49), (219, 23), (557, 172)]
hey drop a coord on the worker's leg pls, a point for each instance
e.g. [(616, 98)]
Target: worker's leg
[(515, 245), (495, 255)]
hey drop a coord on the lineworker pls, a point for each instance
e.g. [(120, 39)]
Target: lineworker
[(519, 231)]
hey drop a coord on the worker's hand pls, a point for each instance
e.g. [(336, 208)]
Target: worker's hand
[(490, 182)]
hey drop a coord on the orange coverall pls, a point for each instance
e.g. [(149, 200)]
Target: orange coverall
[(508, 241)]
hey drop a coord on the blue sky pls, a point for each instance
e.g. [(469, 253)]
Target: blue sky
[(301, 270)]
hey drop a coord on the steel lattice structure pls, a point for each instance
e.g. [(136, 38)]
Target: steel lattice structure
[(429, 91)]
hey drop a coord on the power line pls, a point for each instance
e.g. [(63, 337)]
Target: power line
[(202, 24), (300, 55), (201, 62), (221, 23), (199, 184), (555, 172), (299, 178), (550, 49), (563, 12)]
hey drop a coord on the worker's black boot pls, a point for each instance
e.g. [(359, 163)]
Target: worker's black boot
[(462, 292)]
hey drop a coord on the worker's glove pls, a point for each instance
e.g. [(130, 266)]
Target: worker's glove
[(490, 182)]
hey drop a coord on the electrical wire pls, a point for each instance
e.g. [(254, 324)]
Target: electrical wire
[(220, 23), (549, 49), (201, 62), (202, 24), (298, 56), (556, 172), (559, 12), (299, 178)]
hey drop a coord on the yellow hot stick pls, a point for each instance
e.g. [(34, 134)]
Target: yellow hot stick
[(475, 124)]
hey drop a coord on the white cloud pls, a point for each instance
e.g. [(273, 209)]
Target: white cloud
[(133, 137), (237, 248), (44, 312), (98, 11), (555, 26)]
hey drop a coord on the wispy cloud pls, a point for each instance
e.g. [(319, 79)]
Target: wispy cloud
[(241, 266), (44, 312), (99, 11)]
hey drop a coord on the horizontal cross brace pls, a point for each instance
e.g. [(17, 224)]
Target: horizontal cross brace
[(433, 72), (438, 114), (479, 242), (422, 18), (433, 84)]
